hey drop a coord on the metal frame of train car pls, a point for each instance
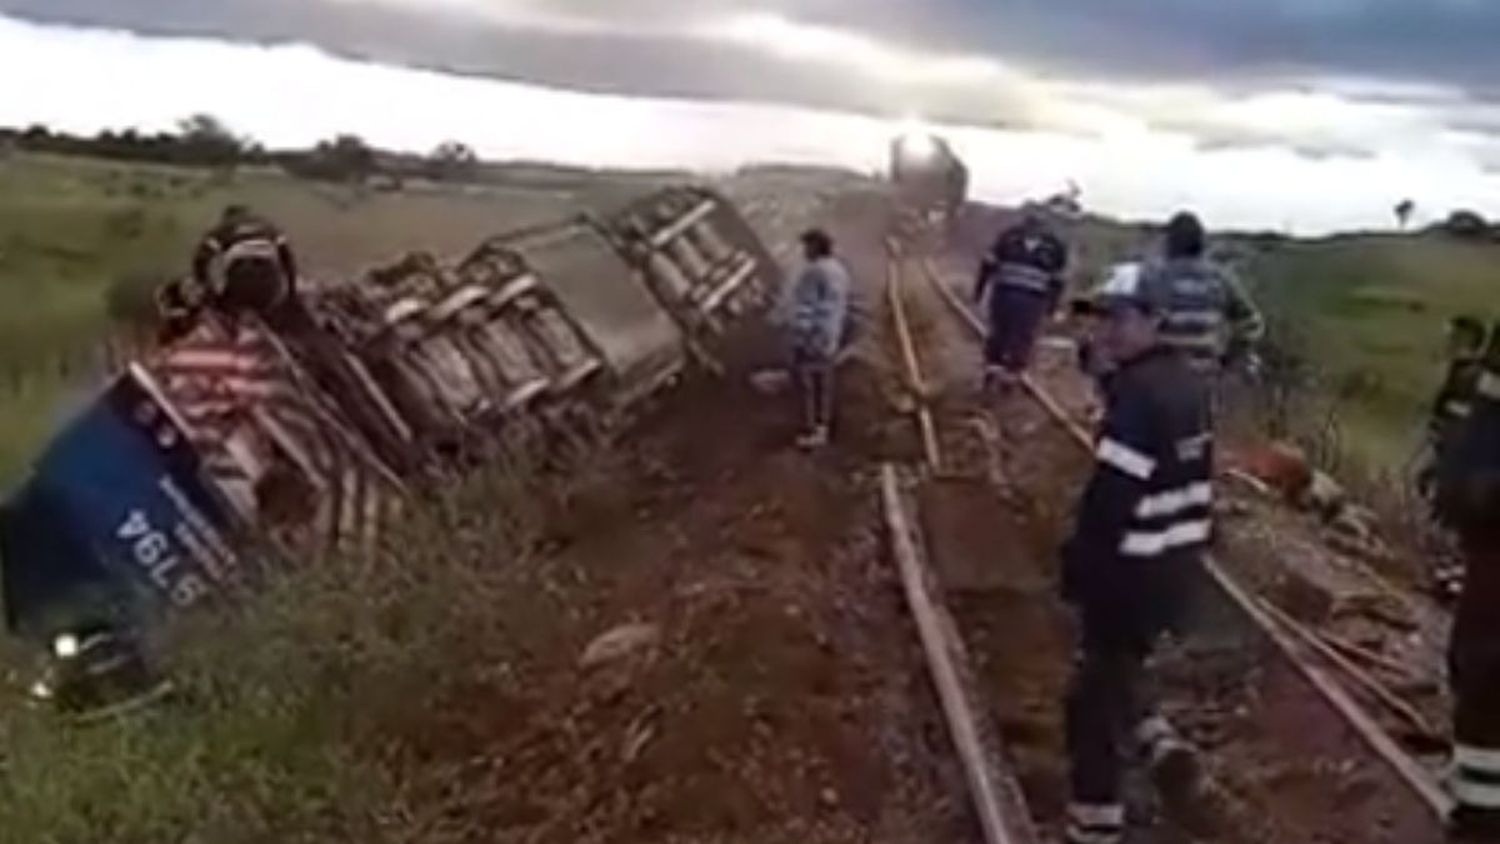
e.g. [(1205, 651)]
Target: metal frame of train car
[(700, 258)]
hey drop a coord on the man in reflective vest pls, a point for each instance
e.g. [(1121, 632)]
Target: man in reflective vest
[(1468, 499), (1208, 316), (1142, 527), (1022, 273)]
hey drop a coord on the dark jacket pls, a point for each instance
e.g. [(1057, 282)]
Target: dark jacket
[(1145, 518), (219, 245), (1468, 495), (1027, 256), (1455, 400)]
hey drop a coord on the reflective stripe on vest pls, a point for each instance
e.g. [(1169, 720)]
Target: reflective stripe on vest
[(1095, 823), (1174, 501), (1023, 276), (1157, 543), (1120, 456), (1476, 776)]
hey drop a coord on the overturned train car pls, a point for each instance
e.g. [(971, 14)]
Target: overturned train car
[(255, 439)]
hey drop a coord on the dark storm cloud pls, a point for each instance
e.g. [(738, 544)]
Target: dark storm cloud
[(1437, 48), (1450, 41), (1447, 41), (592, 59)]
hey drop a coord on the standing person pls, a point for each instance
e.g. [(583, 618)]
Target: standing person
[(817, 306), (1455, 399), (1468, 499), (245, 262), (1142, 527), (1208, 315), (1022, 273)]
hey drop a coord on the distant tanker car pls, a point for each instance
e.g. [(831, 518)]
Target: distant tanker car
[(931, 182)]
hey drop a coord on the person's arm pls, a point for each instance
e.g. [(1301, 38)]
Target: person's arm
[(288, 260), (1246, 325), (203, 258), (785, 311), (986, 270)]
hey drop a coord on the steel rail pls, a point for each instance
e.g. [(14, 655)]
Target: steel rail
[(996, 797), (914, 377)]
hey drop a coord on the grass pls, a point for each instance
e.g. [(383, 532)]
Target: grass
[(302, 716), (71, 227), (1370, 314)]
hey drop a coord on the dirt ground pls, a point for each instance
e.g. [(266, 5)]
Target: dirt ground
[(772, 687)]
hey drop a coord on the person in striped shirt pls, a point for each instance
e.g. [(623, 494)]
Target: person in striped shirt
[(1208, 316), (1142, 527)]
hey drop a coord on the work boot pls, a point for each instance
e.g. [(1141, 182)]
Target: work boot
[(1095, 824), (1173, 762), (814, 439)]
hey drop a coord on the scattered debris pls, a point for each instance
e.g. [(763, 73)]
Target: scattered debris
[(771, 382), (1303, 599), (1284, 468), (1324, 496), (618, 643)]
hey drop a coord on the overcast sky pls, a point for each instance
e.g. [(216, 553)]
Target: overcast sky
[(1310, 114)]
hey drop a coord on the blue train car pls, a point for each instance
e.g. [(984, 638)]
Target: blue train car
[(114, 522)]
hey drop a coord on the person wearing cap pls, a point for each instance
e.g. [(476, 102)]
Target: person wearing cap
[(245, 263), (1468, 499), (1208, 316), (1455, 398), (1022, 274), (1142, 527), (816, 309)]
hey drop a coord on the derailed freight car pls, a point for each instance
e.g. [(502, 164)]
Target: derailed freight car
[(303, 430)]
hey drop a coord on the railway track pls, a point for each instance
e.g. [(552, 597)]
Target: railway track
[(1290, 744)]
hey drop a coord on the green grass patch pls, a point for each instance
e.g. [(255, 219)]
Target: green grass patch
[(1370, 314)]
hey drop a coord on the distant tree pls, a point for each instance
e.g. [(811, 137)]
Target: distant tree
[(1404, 209), (1466, 224), (347, 157), (452, 161), (206, 140)]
